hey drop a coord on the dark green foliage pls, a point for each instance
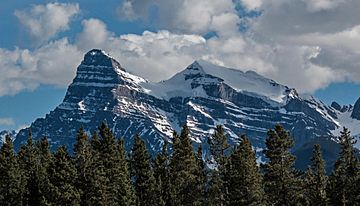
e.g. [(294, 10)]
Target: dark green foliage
[(126, 194), (42, 163), (84, 166), (11, 185), (161, 174), (62, 171), (184, 171), (344, 180), (218, 145), (98, 173), (245, 180), (27, 161), (217, 189), (97, 189), (280, 178), (316, 180), (142, 174), (215, 193), (114, 186), (201, 176)]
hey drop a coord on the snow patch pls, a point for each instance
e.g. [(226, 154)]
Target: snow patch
[(345, 120)]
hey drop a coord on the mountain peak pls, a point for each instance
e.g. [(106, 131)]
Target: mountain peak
[(97, 57), (203, 72)]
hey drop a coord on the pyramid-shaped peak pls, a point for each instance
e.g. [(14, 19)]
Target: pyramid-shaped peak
[(97, 57)]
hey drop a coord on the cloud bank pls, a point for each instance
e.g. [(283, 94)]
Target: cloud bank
[(7, 122), (45, 21), (305, 44)]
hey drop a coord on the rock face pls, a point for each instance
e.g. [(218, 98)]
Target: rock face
[(202, 96), (356, 110), (336, 106)]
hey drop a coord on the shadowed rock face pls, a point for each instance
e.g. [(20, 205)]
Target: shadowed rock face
[(356, 111), (336, 106), (103, 91)]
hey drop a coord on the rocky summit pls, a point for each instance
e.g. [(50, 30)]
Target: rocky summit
[(202, 96)]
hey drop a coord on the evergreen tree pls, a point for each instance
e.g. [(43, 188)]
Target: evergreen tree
[(161, 174), (218, 146), (116, 188), (142, 173), (27, 161), (61, 173), (83, 164), (280, 177), (215, 192), (127, 194), (343, 185), (183, 171), (98, 181), (42, 163), (316, 179), (11, 187), (245, 180), (202, 176)]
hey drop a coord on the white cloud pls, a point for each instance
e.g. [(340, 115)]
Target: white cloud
[(159, 55), (45, 21), (252, 4), (180, 16), (304, 44), (318, 5), (52, 64), (94, 34), (7, 121), (331, 26)]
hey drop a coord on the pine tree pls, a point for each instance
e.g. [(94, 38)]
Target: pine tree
[(217, 190), (183, 171), (11, 187), (218, 146), (83, 164), (161, 174), (97, 190), (27, 161), (61, 173), (316, 179), (127, 193), (116, 188), (42, 163), (343, 185), (142, 173), (245, 181), (202, 176), (280, 177)]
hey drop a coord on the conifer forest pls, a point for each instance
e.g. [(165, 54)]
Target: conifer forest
[(99, 171)]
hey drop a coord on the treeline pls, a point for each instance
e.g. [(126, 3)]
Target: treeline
[(100, 172)]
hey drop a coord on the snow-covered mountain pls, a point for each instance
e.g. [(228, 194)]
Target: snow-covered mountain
[(202, 96), (4, 133)]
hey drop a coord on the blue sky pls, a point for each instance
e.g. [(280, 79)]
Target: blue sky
[(312, 46)]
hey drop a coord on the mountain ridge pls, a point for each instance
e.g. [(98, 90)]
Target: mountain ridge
[(199, 96)]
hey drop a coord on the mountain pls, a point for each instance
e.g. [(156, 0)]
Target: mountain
[(4, 133), (202, 96)]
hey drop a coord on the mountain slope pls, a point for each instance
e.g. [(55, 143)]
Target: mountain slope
[(202, 96), (4, 133)]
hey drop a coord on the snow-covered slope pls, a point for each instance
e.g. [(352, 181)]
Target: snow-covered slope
[(186, 83), (202, 96), (345, 119), (4, 133)]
